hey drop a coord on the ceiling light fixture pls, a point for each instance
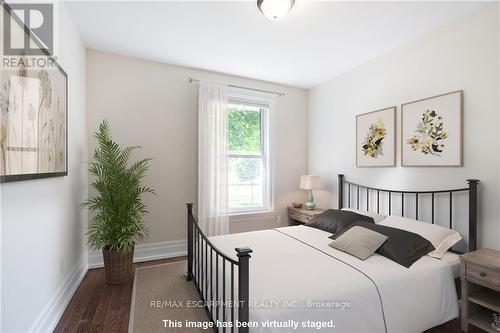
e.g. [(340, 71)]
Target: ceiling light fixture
[(275, 9)]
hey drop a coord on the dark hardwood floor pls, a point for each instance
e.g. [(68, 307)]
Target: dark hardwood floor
[(99, 307), (452, 326)]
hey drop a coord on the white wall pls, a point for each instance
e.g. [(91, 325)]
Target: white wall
[(42, 224), (462, 55), (153, 105)]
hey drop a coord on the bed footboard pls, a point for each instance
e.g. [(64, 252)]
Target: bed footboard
[(205, 261)]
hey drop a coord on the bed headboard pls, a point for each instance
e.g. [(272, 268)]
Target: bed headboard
[(344, 185)]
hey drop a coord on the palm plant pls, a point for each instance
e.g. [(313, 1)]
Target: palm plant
[(117, 224)]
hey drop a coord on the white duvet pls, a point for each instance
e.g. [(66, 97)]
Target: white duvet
[(297, 279)]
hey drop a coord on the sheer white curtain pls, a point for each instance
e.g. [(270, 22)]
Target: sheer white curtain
[(212, 159)]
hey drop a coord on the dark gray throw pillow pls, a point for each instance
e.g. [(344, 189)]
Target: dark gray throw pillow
[(337, 221), (401, 246), (359, 242)]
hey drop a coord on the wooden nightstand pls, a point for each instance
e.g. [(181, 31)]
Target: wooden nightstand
[(301, 215), (480, 276)]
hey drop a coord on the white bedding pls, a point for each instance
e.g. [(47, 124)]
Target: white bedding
[(452, 260), (383, 295)]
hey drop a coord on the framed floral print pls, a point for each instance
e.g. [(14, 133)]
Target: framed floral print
[(33, 113), (432, 131), (376, 138)]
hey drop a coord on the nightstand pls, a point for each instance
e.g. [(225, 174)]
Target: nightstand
[(301, 215), (480, 276)]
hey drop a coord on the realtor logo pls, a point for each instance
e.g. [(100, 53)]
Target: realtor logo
[(38, 19)]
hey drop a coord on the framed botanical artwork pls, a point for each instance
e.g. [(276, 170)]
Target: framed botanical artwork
[(33, 117), (376, 138), (432, 131)]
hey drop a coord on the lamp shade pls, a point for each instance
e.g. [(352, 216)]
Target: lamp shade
[(310, 182)]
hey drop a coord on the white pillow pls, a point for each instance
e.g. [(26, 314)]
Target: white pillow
[(376, 217), (442, 238)]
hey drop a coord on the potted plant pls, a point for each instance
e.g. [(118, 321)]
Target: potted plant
[(118, 211)]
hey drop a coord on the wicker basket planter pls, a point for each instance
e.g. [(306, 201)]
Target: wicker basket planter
[(118, 266)]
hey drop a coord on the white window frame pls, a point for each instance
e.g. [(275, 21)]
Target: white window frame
[(236, 96)]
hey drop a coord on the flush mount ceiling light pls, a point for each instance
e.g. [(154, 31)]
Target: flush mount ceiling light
[(275, 9)]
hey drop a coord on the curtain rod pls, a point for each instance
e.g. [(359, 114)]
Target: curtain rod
[(191, 80)]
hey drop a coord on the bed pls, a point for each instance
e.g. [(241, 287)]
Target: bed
[(289, 279)]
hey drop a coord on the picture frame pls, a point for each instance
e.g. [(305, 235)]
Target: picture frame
[(33, 117), (376, 138), (432, 131)]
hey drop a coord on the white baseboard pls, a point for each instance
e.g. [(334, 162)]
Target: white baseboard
[(48, 318), (145, 252)]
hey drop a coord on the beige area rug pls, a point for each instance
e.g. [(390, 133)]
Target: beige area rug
[(155, 299)]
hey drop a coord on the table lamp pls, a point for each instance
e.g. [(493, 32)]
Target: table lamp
[(310, 182)]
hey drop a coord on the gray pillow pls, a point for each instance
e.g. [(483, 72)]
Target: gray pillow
[(337, 221), (359, 242)]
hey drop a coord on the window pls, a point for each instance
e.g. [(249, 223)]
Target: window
[(248, 160)]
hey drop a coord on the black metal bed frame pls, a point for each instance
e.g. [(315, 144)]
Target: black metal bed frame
[(200, 262), (471, 189), (201, 251)]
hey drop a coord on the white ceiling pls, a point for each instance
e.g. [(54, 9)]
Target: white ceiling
[(315, 42)]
